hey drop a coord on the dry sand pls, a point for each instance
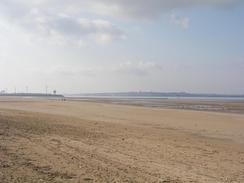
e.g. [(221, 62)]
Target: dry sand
[(57, 141)]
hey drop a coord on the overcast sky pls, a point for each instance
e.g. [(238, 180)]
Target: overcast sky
[(77, 46)]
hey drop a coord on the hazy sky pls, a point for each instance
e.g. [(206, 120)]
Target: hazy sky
[(79, 46)]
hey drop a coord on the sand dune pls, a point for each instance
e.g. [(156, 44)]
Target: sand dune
[(56, 141)]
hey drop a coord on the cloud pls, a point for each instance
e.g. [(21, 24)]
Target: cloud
[(123, 8), (59, 26), (122, 69), (145, 9), (137, 68), (183, 22), (98, 30), (61, 20)]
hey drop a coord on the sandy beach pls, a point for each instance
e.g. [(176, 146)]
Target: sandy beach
[(81, 141)]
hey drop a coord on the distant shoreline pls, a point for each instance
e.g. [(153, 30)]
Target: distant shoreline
[(159, 95), (30, 95)]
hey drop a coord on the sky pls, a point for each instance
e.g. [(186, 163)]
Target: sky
[(82, 46)]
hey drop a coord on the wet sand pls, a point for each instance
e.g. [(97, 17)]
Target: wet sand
[(206, 104), (70, 141)]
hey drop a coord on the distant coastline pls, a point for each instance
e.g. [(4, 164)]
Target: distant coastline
[(161, 95), (157, 95), (30, 95)]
